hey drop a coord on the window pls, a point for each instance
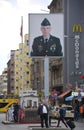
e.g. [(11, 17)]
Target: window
[(27, 82), (27, 72), (2, 105)]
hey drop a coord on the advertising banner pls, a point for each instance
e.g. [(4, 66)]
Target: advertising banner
[(46, 33)]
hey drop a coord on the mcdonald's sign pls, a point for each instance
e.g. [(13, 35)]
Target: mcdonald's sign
[(77, 28)]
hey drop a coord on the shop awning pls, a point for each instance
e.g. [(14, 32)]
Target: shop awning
[(69, 98), (64, 94)]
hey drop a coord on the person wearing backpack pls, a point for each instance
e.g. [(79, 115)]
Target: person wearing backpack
[(61, 116)]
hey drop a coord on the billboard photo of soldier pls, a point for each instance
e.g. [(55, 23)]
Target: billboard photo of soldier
[(46, 35)]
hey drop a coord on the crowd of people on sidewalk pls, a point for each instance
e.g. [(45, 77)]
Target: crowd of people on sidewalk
[(43, 111), (15, 113)]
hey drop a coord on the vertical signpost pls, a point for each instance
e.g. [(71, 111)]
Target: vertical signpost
[(22, 85), (46, 78), (46, 41)]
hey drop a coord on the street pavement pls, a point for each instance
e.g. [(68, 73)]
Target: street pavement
[(79, 125)]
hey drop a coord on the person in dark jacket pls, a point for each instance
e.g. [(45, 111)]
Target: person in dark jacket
[(46, 44), (16, 111), (61, 116), (43, 112), (76, 111)]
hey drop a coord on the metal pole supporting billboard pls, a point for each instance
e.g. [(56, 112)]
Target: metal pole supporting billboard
[(46, 78)]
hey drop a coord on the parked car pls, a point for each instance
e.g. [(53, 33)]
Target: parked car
[(54, 112)]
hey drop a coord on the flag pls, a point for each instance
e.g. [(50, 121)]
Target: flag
[(82, 77), (21, 29)]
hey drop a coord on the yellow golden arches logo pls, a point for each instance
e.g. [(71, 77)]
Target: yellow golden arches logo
[(77, 28)]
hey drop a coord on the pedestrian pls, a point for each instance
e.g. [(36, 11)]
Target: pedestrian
[(76, 111), (61, 116), (21, 114), (46, 44), (10, 113), (43, 111), (16, 111), (81, 109)]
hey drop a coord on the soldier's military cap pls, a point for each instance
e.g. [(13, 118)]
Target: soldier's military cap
[(45, 22)]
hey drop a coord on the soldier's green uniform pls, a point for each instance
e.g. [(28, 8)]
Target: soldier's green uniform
[(49, 47)]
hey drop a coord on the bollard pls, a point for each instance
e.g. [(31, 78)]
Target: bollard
[(6, 116)]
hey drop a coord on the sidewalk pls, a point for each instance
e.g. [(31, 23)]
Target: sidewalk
[(50, 128), (37, 126), (53, 127)]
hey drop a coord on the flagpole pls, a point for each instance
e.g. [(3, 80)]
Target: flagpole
[(21, 34), (21, 31)]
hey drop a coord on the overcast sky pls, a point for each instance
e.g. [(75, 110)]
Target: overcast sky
[(10, 23)]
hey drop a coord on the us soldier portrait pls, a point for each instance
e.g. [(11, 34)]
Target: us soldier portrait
[(46, 44)]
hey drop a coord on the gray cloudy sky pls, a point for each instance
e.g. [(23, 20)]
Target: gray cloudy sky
[(10, 23)]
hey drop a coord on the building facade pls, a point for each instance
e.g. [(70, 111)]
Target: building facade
[(3, 82), (11, 76), (19, 68), (74, 42), (72, 64), (37, 75)]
